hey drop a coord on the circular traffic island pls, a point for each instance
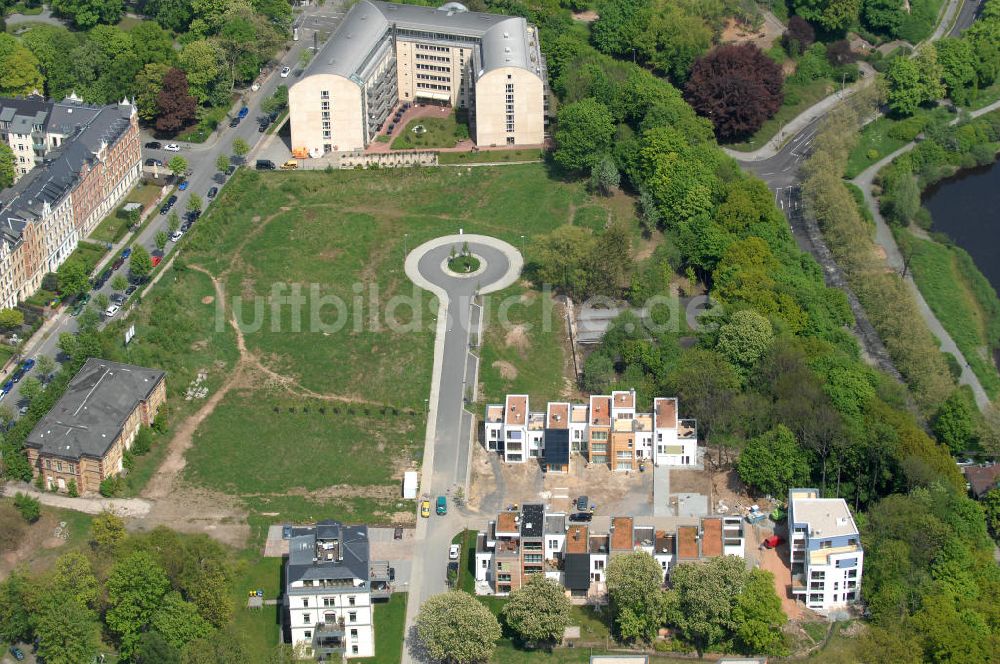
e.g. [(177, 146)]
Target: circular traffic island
[(464, 264)]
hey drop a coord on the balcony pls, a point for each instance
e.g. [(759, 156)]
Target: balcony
[(332, 646), (330, 629), (381, 590)]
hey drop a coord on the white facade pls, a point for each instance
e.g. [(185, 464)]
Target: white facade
[(344, 612), (675, 441), (826, 552)]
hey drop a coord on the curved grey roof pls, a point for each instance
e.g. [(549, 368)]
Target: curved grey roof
[(504, 41), (358, 35)]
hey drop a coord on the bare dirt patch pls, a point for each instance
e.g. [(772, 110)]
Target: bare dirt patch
[(507, 370), (588, 16), (208, 299), (37, 536), (724, 486), (741, 33), (517, 338)]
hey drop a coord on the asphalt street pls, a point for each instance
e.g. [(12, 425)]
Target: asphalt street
[(966, 16), (201, 160)]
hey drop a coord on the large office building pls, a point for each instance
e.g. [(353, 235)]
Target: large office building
[(384, 54), (826, 554)]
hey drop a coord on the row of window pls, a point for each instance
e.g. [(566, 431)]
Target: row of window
[(433, 58), (431, 47), (421, 65), (70, 468), (433, 86)]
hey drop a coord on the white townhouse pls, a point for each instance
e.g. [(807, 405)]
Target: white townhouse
[(826, 554)]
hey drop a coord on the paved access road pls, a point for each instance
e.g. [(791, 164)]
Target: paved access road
[(448, 444), (201, 163)]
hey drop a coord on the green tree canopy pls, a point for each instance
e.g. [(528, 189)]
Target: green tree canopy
[(7, 171), (745, 338), (135, 587), (954, 424), (701, 603), (140, 264), (88, 13), (758, 616), (179, 622), (11, 318), (538, 612), (19, 69), (457, 628), (584, 134), (773, 462), (638, 602), (67, 631)]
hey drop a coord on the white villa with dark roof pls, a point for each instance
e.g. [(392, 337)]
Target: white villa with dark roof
[(384, 54)]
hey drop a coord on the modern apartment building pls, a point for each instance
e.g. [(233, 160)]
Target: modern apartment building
[(533, 540), (75, 162), (826, 554), (331, 585), (85, 435), (607, 430), (384, 53)]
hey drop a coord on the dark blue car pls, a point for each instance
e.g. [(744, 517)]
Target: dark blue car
[(126, 252), (7, 387), (243, 112), (28, 363)]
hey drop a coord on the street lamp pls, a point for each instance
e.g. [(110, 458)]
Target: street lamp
[(522, 245)]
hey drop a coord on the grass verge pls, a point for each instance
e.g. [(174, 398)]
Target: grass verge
[(962, 300), (491, 156), (439, 132), (390, 621)]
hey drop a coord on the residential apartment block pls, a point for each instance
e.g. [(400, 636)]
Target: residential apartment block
[(74, 163), (826, 554), (331, 585), (607, 430), (533, 540), (384, 53), (83, 438)]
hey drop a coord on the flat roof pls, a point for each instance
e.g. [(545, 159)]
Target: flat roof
[(687, 542), (643, 536), (92, 412), (665, 542), (556, 447), (532, 520), (494, 413), (827, 517), (576, 539), (516, 409), (621, 534), (598, 543), (711, 543), (666, 412), (507, 522), (555, 524), (623, 399), (600, 410), (558, 416), (579, 415)]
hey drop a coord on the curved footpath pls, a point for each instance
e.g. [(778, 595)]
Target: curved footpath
[(448, 442), (893, 257)]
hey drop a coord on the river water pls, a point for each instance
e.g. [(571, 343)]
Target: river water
[(966, 208)]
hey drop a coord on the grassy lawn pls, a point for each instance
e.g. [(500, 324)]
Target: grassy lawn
[(208, 121), (952, 297), (259, 630), (114, 227), (807, 96), (440, 132), (489, 156), (337, 395), (89, 253), (840, 649), (390, 620), (6, 352), (875, 136)]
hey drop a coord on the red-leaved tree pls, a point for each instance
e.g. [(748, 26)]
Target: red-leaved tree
[(737, 87), (799, 36), (175, 105)]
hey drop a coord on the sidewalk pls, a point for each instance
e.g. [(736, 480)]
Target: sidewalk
[(894, 259)]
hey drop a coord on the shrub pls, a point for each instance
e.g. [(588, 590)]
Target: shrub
[(160, 423), (110, 486), (872, 154), (143, 441), (907, 130), (29, 507), (72, 490)]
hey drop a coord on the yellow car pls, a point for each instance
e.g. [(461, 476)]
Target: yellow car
[(425, 509)]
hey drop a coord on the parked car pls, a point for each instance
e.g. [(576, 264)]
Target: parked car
[(425, 505), (262, 127), (171, 200), (164, 208), (154, 145), (28, 364), (17, 653), (126, 252), (773, 541), (102, 279), (172, 147), (231, 169), (285, 71), (265, 165), (18, 375), (183, 185), (81, 302), (132, 287), (243, 112), (453, 552), (441, 507), (234, 122), (118, 263), (290, 165), (584, 517), (118, 298), (582, 504), (153, 162), (212, 192), (176, 235), (156, 260), (9, 385), (111, 310)]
